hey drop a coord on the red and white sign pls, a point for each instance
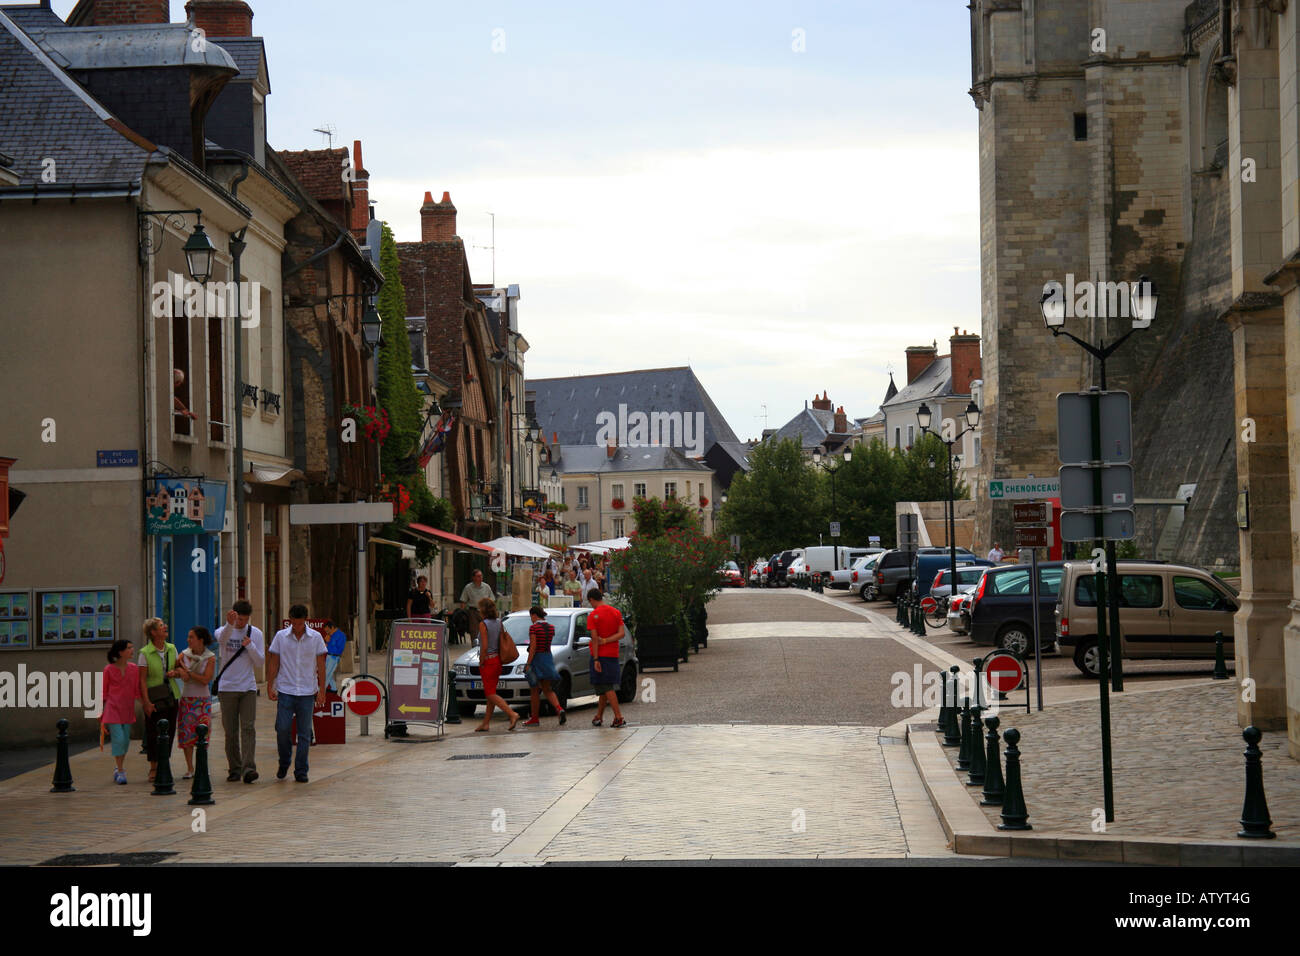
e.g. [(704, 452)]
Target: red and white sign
[(928, 604), (1004, 673), (362, 696)]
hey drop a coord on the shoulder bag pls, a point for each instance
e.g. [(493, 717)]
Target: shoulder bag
[(216, 684), (163, 696), (506, 648)]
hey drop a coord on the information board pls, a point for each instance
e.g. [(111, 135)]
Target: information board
[(81, 616), (15, 619), (416, 671)]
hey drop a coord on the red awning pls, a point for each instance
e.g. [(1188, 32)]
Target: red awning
[(424, 529)]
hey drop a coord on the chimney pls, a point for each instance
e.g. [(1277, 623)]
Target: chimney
[(822, 404), (360, 192), (108, 13), (610, 450), (437, 219), (965, 352), (919, 358), (221, 18), (841, 421)]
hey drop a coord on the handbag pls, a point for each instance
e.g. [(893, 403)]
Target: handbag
[(163, 695), (506, 648)]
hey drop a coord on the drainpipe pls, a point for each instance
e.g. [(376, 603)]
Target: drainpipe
[(237, 246)]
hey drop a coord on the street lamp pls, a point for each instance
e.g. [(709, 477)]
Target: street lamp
[(923, 418), (372, 326), (831, 470)]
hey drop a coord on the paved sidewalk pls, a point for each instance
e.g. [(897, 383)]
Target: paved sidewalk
[(1177, 763)]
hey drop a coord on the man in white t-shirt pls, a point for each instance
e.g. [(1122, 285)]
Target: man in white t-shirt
[(295, 680), (589, 584), (996, 554), (243, 649)]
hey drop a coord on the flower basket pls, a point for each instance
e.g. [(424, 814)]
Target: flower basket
[(617, 503), (374, 421), (704, 502)]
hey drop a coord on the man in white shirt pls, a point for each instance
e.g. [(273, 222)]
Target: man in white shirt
[(243, 649), (996, 554), (295, 680), (589, 584)]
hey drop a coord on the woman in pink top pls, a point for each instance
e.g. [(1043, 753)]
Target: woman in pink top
[(120, 690)]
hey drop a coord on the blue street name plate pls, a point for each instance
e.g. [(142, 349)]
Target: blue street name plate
[(117, 458)]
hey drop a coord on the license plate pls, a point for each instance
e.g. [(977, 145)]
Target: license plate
[(474, 685)]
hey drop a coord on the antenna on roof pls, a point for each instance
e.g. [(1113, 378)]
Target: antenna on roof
[(493, 247), (328, 131), (764, 415)]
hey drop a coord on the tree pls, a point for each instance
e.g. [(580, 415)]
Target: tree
[(654, 518), (866, 491), (776, 504), (925, 473)]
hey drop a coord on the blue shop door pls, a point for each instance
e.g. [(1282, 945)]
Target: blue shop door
[(188, 583)]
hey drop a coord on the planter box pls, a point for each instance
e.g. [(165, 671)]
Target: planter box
[(699, 632), (657, 646)]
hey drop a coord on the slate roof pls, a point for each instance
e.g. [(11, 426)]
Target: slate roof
[(934, 382), (569, 406), (249, 54), (127, 46), (45, 113), (810, 428), (737, 450), (585, 459), (33, 16)]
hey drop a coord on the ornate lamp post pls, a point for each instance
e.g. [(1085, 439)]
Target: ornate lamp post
[(831, 469), (923, 418)]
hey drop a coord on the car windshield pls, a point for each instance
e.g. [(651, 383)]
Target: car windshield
[(867, 562), (517, 627)]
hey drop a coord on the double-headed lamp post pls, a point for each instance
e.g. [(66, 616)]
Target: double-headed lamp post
[(824, 461), (923, 418)]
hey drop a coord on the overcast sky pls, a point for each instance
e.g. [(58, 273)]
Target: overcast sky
[(672, 182)]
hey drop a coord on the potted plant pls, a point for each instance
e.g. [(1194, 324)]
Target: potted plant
[(617, 503), (650, 579)]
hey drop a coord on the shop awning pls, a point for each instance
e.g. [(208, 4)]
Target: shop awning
[(461, 544), (274, 475)]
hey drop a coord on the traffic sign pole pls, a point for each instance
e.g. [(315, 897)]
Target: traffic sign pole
[(1107, 780), (1038, 642)]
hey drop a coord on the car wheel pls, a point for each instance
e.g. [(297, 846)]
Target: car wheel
[(1016, 639), (1088, 659), (627, 686), (466, 710)]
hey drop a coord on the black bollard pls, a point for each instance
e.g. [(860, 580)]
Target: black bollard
[(976, 776), (1255, 822), (963, 755), (164, 785), (951, 732), (453, 703), (1220, 665), (62, 769), (993, 786), (979, 673), (1015, 815), (201, 791), (943, 703)]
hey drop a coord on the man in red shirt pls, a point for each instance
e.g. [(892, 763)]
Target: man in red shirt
[(606, 626)]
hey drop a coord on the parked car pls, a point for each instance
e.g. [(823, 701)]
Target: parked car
[(781, 565), (968, 575), (571, 650), (959, 609), (758, 574), (1165, 611), (730, 576), (823, 560), (797, 572), (843, 578), (1001, 609), (928, 561), (893, 573), (863, 577)]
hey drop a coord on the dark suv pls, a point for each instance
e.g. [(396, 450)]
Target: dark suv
[(776, 573), (1001, 611), (893, 573)]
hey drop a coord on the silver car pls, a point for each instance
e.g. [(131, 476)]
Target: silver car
[(571, 649)]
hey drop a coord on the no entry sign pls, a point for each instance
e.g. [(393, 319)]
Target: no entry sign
[(1005, 673), (362, 696), (928, 604)]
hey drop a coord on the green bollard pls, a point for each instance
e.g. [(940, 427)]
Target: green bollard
[(898, 610), (994, 789), (164, 785), (976, 776), (942, 721), (920, 619), (62, 782), (1015, 815), (963, 755), (201, 791), (1255, 822), (1220, 665), (951, 732)]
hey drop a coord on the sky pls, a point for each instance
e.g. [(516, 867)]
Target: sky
[(782, 195)]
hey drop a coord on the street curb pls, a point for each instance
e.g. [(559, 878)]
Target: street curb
[(970, 833)]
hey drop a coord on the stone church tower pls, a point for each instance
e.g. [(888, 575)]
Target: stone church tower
[(1096, 162)]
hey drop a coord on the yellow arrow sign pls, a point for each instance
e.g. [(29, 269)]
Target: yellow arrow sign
[(404, 708)]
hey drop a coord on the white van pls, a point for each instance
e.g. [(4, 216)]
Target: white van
[(823, 560)]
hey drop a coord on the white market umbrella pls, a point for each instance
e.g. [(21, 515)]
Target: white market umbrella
[(519, 547), (601, 547)]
